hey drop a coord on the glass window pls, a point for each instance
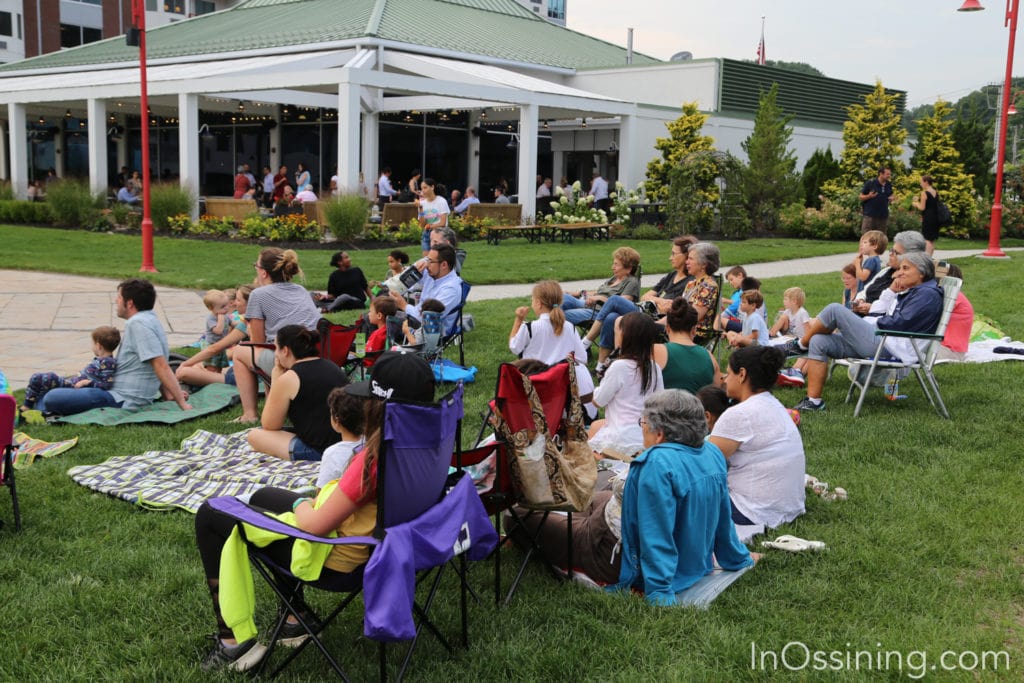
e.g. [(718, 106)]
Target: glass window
[(19, 27), (91, 35), (556, 9), (70, 35), (6, 25), (300, 142), (150, 5), (203, 7), (174, 6)]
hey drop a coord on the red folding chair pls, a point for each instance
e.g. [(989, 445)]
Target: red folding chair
[(336, 344), (8, 409)]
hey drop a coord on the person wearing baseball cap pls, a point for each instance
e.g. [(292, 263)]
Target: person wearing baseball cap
[(397, 375)]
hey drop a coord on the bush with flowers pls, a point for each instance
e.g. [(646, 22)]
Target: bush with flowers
[(566, 210)]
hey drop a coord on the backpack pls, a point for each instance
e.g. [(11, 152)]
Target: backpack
[(942, 213)]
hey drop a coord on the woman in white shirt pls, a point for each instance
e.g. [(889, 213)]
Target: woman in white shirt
[(433, 212), (630, 379), (760, 441)]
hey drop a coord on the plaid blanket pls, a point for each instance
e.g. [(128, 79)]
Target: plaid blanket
[(207, 465)]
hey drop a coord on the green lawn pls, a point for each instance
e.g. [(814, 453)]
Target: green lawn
[(923, 558)]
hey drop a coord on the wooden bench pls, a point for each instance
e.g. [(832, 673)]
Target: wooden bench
[(509, 217), (590, 231), (227, 207), (316, 211), (396, 213)]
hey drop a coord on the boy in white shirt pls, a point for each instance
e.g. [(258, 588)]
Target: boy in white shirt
[(347, 418), (794, 316)]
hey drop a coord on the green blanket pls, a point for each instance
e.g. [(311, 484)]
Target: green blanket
[(209, 399)]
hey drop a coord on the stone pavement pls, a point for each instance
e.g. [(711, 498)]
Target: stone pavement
[(46, 318)]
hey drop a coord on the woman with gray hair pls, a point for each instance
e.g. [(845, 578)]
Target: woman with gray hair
[(702, 261), (838, 332), (877, 287), (676, 516)]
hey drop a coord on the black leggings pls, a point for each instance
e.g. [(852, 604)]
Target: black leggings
[(214, 528)]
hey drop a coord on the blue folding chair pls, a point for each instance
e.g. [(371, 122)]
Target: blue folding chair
[(422, 524)]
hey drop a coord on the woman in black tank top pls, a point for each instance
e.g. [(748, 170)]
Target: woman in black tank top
[(301, 383)]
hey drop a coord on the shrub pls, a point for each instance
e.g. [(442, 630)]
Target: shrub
[(646, 231), (20, 211), (167, 200), (347, 215), (119, 213), (73, 205), (6, 191)]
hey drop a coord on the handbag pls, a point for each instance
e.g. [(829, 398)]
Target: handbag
[(945, 218), (557, 472)]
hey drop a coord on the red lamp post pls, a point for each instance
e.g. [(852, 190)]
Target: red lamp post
[(996, 225), (137, 36)]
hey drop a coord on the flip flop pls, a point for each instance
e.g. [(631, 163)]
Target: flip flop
[(239, 421), (793, 544)]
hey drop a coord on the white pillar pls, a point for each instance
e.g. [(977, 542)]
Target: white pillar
[(349, 110), (370, 165), (528, 158), (628, 161), (96, 113), (275, 142), (474, 157), (188, 146), (557, 166), (58, 149), (17, 134)]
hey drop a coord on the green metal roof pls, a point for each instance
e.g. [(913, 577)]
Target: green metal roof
[(805, 96), (493, 28)]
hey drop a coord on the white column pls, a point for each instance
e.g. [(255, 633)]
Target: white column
[(58, 148), (188, 146), (628, 161), (275, 142), (96, 113), (474, 157), (17, 134), (349, 110), (557, 165), (528, 158), (370, 165)]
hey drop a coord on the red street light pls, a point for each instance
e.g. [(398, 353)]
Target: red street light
[(137, 36), (996, 225)]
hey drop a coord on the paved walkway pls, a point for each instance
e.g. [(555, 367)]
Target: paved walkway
[(45, 318)]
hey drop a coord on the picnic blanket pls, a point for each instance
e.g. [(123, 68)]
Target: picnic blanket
[(207, 465), (209, 399), (29, 449)]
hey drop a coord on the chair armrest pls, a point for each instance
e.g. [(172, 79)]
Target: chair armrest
[(907, 335), (241, 512)]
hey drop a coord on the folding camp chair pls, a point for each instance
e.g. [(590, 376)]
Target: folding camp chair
[(455, 334), (419, 527), (926, 347), (8, 409), (336, 343), (557, 395)]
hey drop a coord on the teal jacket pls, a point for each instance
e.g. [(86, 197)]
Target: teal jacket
[(675, 516)]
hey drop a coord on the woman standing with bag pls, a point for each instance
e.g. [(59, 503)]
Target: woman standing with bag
[(928, 204)]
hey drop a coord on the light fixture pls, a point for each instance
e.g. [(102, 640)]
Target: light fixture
[(546, 126), (67, 114), (513, 142), (483, 113), (1011, 110), (205, 132), (970, 6), (42, 120), (584, 121), (284, 110), (241, 105), (112, 118)]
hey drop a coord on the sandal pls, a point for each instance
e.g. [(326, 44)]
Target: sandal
[(239, 421), (793, 544)]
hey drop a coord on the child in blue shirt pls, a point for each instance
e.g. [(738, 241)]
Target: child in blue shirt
[(868, 261), (99, 373), (755, 330)]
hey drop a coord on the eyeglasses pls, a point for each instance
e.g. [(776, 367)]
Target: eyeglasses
[(642, 422), (433, 260), (256, 266)]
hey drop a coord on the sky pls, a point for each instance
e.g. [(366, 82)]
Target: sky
[(924, 47)]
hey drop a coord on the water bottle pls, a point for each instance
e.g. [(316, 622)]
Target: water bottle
[(892, 387)]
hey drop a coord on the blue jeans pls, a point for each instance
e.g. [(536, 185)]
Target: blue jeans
[(609, 313), (298, 449), (576, 310), (72, 401), (855, 338)]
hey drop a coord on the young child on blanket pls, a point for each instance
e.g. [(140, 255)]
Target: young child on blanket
[(218, 324), (347, 418), (793, 317), (99, 373)]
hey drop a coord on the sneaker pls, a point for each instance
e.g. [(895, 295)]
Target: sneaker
[(789, 377), (293, 635), (240, 657), (809, 406), (792, 348), (599, 370)]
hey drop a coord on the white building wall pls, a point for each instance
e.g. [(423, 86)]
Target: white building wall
[(665, 85), (12, 48)]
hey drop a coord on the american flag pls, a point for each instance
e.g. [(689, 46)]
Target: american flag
[(760, 46)]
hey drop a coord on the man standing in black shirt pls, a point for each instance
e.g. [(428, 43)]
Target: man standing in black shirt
[(875, 197)]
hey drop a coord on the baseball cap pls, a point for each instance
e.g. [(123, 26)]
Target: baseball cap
[(398, 375)]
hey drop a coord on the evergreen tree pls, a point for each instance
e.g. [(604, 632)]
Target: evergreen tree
[(684, 141), (818, 170), (769, 179), (873, 138), (972, 138), (937, 156)]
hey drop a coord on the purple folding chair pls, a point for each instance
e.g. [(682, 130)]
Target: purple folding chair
[(421, 526)]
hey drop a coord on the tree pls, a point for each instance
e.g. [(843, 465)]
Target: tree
[(797, 67), (693, 193), (818, 170), (873, 138), (769, 179), (972, 138), (937, 156), (684, 141)]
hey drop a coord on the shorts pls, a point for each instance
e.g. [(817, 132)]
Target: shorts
[(265, 360), (425, 240), (298, 450), (874, 223)]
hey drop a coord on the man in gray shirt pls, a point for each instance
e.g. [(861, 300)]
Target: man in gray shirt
[(142, 369)]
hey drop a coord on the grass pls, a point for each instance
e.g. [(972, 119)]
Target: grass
[(924, 557), (205, 264)]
